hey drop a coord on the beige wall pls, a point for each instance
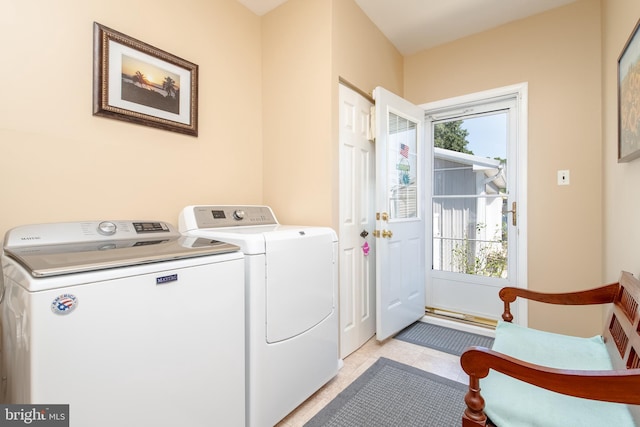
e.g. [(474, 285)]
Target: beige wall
[(621, 200), (296, 110), (59, 163), (361, 53), (307, 46), (558, 54)]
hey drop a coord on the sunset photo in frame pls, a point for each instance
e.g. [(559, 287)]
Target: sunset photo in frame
[(138, 83), (629, 99)]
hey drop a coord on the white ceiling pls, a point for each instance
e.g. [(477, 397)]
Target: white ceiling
[(415, 25)]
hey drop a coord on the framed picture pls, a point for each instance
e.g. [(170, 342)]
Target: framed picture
[(138, 83), (629, 99)]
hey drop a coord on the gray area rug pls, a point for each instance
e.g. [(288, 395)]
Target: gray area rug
[(442, 339), (391, 394)]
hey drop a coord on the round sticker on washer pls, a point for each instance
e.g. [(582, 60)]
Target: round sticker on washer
[(64, 304)]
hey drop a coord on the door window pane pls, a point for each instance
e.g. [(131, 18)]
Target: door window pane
[(402, 168)]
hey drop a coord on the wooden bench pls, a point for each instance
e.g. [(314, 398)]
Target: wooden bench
[(534, 378)]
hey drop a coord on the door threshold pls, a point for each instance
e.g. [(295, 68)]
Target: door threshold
[(470, 324)]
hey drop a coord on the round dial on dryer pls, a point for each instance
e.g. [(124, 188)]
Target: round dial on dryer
[(238, 214), (107, 228)]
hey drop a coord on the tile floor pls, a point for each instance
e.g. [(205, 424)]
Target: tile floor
[(443, 364)]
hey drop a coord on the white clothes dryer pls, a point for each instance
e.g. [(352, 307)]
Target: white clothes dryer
[(291, 281), (127, 322)]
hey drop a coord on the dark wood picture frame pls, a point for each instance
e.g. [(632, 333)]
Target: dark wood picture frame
[(138, 83), (629, 98)]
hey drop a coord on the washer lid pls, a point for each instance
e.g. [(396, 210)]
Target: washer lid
[(64, 248), (44, 261)]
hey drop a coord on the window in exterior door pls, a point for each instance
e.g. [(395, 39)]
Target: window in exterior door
[(402, 165)]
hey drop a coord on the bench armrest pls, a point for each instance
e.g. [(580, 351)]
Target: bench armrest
[(601, 295), (611, 386)]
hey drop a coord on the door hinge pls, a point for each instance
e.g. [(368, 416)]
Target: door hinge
[(371, 132)]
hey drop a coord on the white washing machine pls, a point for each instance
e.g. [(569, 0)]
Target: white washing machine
[(291, 294), (129, 323)]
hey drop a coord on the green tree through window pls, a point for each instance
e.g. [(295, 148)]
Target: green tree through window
[(451, 136)]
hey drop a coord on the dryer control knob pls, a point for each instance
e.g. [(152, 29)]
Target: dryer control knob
[(238, 214), (107, 228)]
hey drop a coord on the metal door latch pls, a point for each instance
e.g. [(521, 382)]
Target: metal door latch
[(514, 212), (384, 216)]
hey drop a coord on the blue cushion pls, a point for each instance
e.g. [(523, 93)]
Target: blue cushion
[(514, 403)]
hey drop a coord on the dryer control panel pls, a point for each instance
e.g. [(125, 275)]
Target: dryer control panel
[(215, 216)]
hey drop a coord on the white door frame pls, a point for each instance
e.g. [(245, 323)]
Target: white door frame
[(520, 91)]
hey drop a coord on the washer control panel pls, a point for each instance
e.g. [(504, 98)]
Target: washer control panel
[(107, 228), (228, 216), (87, 231), (238, 214)]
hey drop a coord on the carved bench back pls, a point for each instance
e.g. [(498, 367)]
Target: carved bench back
[(622, 329), (621, 332)]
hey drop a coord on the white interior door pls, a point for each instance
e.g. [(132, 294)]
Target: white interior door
[(357, 244), (400, 215)]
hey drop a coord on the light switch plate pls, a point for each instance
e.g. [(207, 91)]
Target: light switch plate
[(563, 177)]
